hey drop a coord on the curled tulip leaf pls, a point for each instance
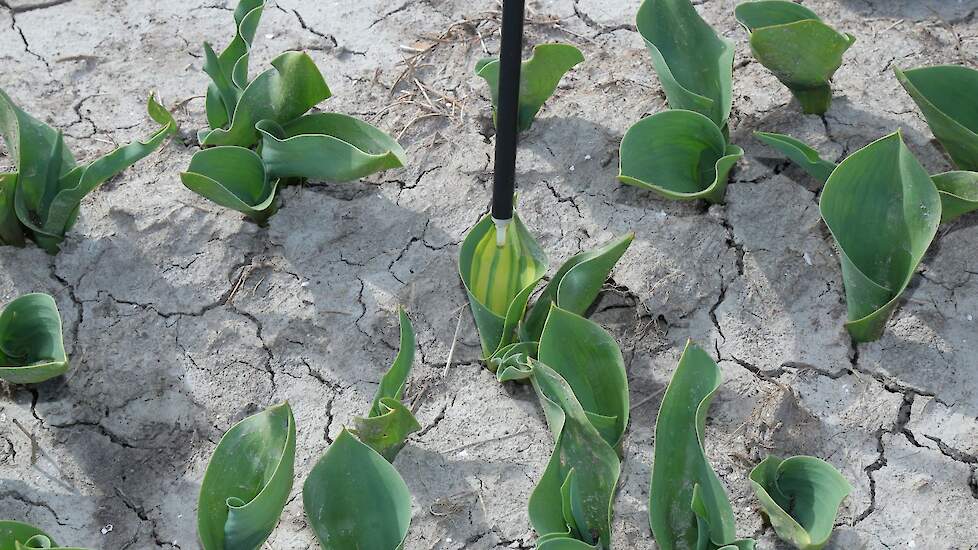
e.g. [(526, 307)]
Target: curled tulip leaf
[(539, 77), (229, 70), (355, 499), (883, 211), (801, 495), (233, 177), (565, 543), (248, 481), (794, 44), (48, 186), (327, 146), (694, 64), (590, 361), (575, 285), (499, 279), (15, 535), (31, 344), (946, 96), (805, 157), (678, 154), (389, 422), (688, 508), (574, 496), (283, 93)]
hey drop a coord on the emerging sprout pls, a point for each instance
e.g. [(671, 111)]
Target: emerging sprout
[(31, 344), (794, 44), (40, 200), (694, 64), (248, 481), (15, 535), (946, 96), (801, 495), (688, 507), (539, 77), (261, 133), (678, 154)]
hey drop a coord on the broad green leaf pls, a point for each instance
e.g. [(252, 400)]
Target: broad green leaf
[(688, 508), (389, 422), (959, 193), (946, 95), (573, 498), (883, 211), (281, 94), (694, 64), (499, 280), (575, 285), (31, 343), (794, 44), (229, 70), (800, 153), (15, 535), (539, 77), (801, 495), (248, 481), (327, 146), (11, 232), (590, 361), (565, 543), (678, 154), (354, 498), (233, 177)]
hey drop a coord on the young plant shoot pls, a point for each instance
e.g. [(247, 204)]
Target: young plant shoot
[(688, 507), (794, 44), (15, 535), (353, 496), (32, 348), (539, 78), (946, 95), (41, 198), (248, 481), (801, 495), (260, 135)]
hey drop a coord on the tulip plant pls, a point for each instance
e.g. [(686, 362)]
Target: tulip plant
[(32, 348), (684, 153), (41, 198), (261, 134), (353, 496), (801, 496), (15, 535), (793, 43), (539, 77), (688, 507)]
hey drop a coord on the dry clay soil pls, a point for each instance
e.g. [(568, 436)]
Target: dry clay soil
[(182, 318)]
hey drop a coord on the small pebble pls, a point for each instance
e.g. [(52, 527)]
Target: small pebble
[(808, 259), (970, 317), (107, 529), (587, 157), (572, 168)]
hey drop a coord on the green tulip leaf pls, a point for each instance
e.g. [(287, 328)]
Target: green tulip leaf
[(281, 94), (688, 508), (248, 481), (565, 543), (801, 495), (678, 154), (959, 193), (229, 70), (499, 280), (233, 177), (694, 64), (883, 211), (389, 422), (805, 157), (590, 361), (538, 78), (327, 146), (574, 496), (575, 285), (354, 498), (48, 187), (946, 96), (794, 44), (15, 535), (32, 348)]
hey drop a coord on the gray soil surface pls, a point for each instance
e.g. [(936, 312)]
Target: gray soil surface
[(182, 318)]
